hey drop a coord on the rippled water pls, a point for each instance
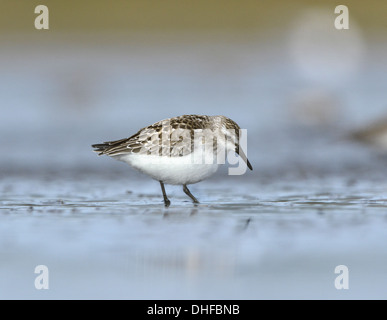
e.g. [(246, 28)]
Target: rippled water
[(315, 199), (105, 238)]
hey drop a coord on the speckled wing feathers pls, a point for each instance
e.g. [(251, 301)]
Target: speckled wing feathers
[(170, 137)]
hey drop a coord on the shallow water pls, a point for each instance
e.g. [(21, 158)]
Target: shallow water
[(315, 199), (100, 239)]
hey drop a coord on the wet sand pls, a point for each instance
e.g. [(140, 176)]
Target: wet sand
[(113, 238)]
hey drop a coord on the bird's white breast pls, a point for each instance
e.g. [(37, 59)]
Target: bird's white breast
[(170, 170)]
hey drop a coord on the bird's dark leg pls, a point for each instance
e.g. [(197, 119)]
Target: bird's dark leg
[(188, 193), (166, 200)]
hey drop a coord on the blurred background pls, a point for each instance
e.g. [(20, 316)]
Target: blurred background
[(312, 98), (103, 70)]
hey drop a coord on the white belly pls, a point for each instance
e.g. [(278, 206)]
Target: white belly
[(170, 170)]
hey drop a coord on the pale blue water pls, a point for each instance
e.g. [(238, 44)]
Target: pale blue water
[(314, 200)]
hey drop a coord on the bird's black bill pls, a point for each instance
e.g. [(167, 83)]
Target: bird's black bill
[(240, 152)]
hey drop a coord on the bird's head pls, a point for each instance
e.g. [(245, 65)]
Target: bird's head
[(231, 132)]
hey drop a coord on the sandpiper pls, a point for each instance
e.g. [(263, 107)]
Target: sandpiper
[(179, 151), (374, 134)]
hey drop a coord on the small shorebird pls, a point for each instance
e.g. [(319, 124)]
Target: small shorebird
[(178, 151), (375, 134)]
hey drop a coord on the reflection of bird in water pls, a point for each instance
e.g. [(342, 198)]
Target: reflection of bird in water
[(374, 134)]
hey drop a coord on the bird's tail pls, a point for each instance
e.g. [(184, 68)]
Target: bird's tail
[(106, 147), (100, 148)]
